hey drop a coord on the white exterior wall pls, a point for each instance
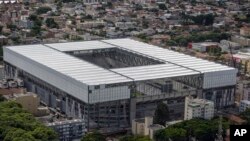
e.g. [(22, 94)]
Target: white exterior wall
[(201, 110), (244, 104), (219, 79), (50, 76), (199, 47), (109, 94)]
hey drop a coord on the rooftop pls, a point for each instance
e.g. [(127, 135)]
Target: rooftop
[(56, 59)]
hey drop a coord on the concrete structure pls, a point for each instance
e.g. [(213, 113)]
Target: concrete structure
[(29, 102), (243, 91), (226, 44), (93, 1), (173, 122), (145, 127), (140, 126), (3, 40), (1, 72), (69, 130), (111, 82), (204, 46), (198, 108), (245, 31), (244, 104), (153, 128), (241, 40), (242, 60)]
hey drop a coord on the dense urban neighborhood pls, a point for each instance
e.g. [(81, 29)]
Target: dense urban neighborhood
[(123, 70)]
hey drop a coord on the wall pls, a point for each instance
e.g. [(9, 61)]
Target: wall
[(65, 83), (219, 79), (103, 94)]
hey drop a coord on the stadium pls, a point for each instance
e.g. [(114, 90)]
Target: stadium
[(110, 82)]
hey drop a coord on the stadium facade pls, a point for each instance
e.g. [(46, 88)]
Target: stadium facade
[(111, 82)]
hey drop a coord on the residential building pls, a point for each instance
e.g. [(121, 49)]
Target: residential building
[(245, 31), (198, 108), (241, 40), (140, 126), (29, 102), (69, 130), (244, 104), (242, 60), (3, 40), (203, 47), (145, 127)]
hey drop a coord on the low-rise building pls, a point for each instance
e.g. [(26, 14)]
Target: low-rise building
[(145, 127), (29, 102), (203, 47), (198, 108), (3, 40), (69, 130), (242, 59), (245, 31), (244, 104), (241, 40)]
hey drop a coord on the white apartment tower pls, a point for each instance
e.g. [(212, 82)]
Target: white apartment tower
[(198, 108)]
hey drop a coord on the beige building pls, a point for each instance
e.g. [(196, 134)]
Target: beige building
[(241, 40), (243, 59), (145, 127), (29, 102), (245, 31)]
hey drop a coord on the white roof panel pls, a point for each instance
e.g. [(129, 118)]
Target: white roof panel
[(77, 46), (174, 64), (49, 57), (155, 71), (163, 54)]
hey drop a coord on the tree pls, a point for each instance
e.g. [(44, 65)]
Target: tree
[(95, 136), (135, 138), (175, 134), (161, 114), (43, 10), (1, 97), (19, 125), (36, 29), (1, 29), (50, 22), (246, 115), (162, 6)]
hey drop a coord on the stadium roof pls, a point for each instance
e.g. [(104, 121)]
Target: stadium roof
[(53, 57)]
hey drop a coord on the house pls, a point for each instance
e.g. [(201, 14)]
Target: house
[(145, 127), (3, 40), (203, 46), (241, 40), (244, 104), (245, 31), (198, 108)]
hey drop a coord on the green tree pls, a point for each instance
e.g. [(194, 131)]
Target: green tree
[(175, 134), (36, 29), (50, 22), (135, 138), (1, 97), (19, 125), (1, 29), (246, 115), (43, 10), (161, 114), (95, 136), (162, 6)]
